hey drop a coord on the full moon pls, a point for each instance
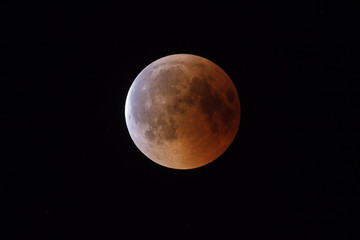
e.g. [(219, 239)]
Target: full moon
[(182, 111)]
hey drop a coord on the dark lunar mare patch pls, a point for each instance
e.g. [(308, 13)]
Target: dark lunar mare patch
[(211, 102), (149, 134), (230, 95)]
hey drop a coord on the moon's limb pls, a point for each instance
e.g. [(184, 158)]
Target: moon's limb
[(182, 111)]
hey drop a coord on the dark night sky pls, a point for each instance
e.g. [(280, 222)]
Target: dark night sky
[(70, 167)]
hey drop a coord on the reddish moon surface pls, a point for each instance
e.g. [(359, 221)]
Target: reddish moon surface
[(182, 111)]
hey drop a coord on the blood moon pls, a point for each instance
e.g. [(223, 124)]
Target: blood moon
[(182, 111)]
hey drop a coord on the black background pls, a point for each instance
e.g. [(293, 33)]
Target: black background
[(70, 167)]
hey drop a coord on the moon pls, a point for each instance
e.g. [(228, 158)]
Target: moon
[(182, 111)]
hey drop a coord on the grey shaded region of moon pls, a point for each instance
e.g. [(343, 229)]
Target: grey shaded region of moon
[(182, 111)]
